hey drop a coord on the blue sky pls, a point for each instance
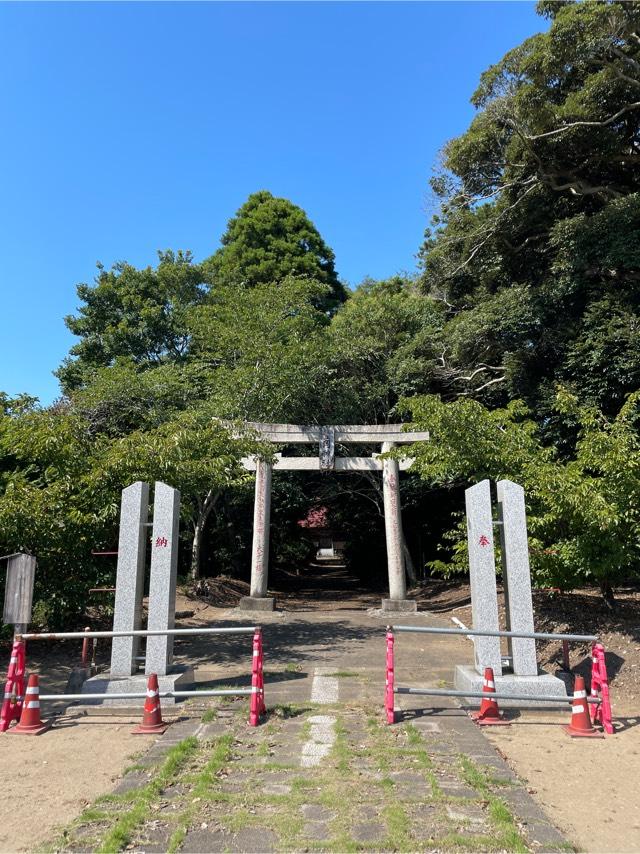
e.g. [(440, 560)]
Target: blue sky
[(128, 128)]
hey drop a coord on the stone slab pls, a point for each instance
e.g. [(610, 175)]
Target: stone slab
[(163, 577), (482, 575), (132, 541), (180, 679), (399, 606), (517, 576), (468, 679), (255, 603)]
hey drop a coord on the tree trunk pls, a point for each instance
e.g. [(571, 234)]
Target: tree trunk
[(607, 594), (204, 509)]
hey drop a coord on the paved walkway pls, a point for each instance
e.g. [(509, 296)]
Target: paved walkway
[(324, 772)]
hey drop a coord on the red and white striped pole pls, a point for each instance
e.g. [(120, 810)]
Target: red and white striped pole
[(603, 711), (389, 698), (257, 706), (14, 687)]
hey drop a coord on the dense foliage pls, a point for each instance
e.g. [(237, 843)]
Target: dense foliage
[(516, 345), (535, 251)]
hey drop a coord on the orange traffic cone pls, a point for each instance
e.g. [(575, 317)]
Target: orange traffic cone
[(489, 714), (30, 723), (152, 716), (581, 726)]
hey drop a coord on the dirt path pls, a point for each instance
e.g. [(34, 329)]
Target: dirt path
[(589, 787), (55, 775)]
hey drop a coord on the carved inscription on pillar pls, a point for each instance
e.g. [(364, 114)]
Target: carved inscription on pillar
[(327, 448)]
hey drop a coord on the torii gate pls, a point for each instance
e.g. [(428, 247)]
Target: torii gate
[(386, 435)]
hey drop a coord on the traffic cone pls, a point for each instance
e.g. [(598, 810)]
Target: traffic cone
[(489, 714), (152, 723), (581, 726), (30, 723)]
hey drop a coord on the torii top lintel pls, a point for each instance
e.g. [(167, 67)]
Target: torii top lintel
[(285, 434), (326, 439)]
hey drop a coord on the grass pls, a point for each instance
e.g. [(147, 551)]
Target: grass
[(501, 818), (205, 780), (140, 800), (344, 674), (398, 828)]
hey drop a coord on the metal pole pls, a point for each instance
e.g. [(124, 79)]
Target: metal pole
[(439, 692), (566, 663), (430, 630), (139, 633), (223, 692)]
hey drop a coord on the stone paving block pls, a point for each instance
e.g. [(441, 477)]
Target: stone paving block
[(211, 731), (367, 813), (316, 812), (276, 789), (407, 778), (370, 831), (317, 830), (134, 780), (255, 840), (466, 813), (156, 841), (204, 840), (453, 790)]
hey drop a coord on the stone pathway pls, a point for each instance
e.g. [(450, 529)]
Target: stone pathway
[(324, 772)]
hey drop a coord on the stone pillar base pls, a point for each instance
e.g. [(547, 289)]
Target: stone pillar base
[(253, 603), (180, 678), (399, 606), (467, 678)]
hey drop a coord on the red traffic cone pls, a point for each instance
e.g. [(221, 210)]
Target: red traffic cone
[(30, 723), (152, 723), (581, 726), (489, 714)]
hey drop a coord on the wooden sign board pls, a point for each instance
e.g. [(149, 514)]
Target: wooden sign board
[(18, 592)]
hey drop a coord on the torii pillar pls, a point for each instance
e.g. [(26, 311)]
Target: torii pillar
[(384, 435)]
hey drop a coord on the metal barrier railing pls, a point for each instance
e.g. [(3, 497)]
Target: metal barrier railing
[(138, 633), (14, 687), (435, 630), (138, 695), (599, 685)]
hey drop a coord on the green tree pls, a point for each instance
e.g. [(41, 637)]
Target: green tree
[(60, 490), (583, 514), (266, 350), (136, 314), (537, 237), (384, 344), (270, 239)]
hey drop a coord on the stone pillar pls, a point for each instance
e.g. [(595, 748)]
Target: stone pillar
[(516, 576), (397, 600), (162, 581), (132, 542), (261, 520), (482, 571)]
